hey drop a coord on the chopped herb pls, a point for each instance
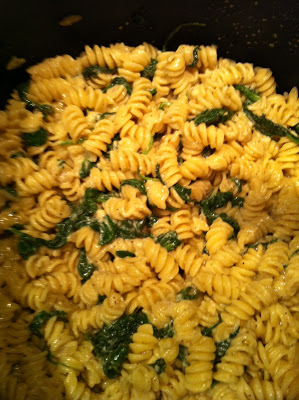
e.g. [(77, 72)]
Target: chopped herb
[(86, 168), (159, 366), (222, 347), (238, 202), (95, 70), (195, 58), (119, 81), (238, 183), (153, 92), (101, 299), (207, 152), (149, 71), (18, 154), (37, 138), (182, 191), (42, 317), (85, 268), (124, 254), (134, 183), (111, 343), (169, 240), (250, 94), (61, 163), (164, 104), (189, 293), (269, 128), (178, 28), (23, 89), (166, 332), (183, 353), (150, 145), (213, 116), (208, 331)]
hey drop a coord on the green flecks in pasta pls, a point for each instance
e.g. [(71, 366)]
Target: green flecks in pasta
[(169, 240), (183, 353), (238, 202), (101, 299), (195, 58), (42, 317), (238, 183), (134, 183), (86, 167), (213, 116), (163, 105), (18, 154), (295, 253), (105, 115), (159, 366), (189, 293), (205, 251), (166, 332), (70, 142), (61, 163), (119, 81), (178, 28), (183, 192), (149, 70), (222, 347), (150, 145), (85, 268), (37, 138), (264, 244), (112, 146), (95, 70), (268, 127), (209, 331), (158, 173), (153, 91), (111, 344), (45, 109), (10, 190), (124, 254), (147, 178), (52, 360), (250, 94), (207, 152)]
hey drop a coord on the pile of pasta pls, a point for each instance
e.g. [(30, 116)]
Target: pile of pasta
[(220, 285)]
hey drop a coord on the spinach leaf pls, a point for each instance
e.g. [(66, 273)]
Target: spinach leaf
[(268, 127), (94, 70), (238, 202), (169, 240), (42, 317), (27, 245), (107, 231), (178, 28), (153, 92), (61, 163), (213, 116), (166, 332), (150, 145), (135, 183), (45, 109), (119, 81), (86, 168), (208, 331), (149, 71), (296, 128), (207, 152), (18, 154), (231, 221), (195, 58), (132, 229), (112, 146), (70, 142), (218, 200), (163, 105), (250, 94), (101, 299), (159, 366), (151, 220), (111, 343), (10, 190), (51, 359), (183, 353), (99, 117), (124, 254), (182, 191), (205, 251), (222, 347), (238, 183), (158, 173), (147, 178), (85, 268), (264, 244), (189, 293), (37, 138), (295, 253)]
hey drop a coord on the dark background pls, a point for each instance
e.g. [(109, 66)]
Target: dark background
[(263, 32)]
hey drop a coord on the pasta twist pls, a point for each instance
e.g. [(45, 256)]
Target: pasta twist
[(47, 90), (106, 180), (264, 81), (218, 235), (35, 183), (127, 160), (188, 259), (87, 98), (56, 67), (180, 222), (140, 98), (75, 123), (111, 57), (143, 345), (100, 137), (230, 74)]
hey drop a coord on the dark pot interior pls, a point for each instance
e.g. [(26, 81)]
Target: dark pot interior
[(263, 32)]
